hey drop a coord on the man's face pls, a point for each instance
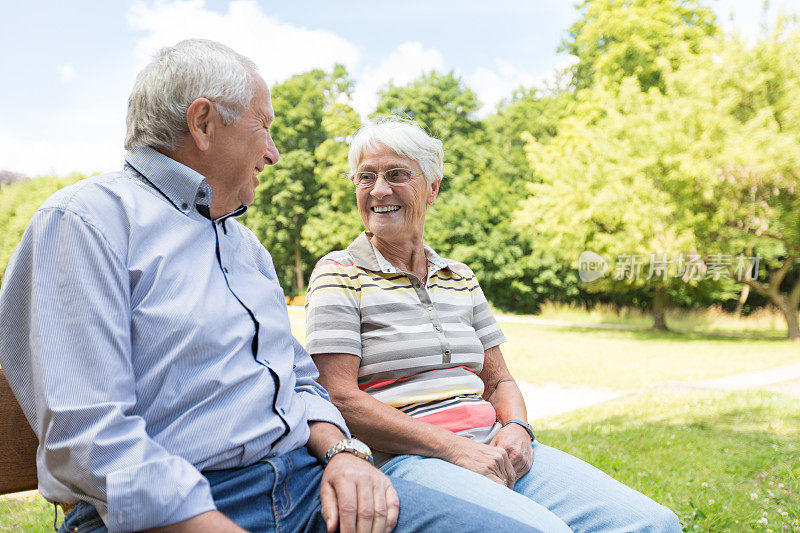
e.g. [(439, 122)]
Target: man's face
[(241, 151)]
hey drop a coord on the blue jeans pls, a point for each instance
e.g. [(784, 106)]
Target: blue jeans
[(560, 493), (282, 494)]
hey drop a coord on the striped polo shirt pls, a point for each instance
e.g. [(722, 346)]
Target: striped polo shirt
[(421, 345)]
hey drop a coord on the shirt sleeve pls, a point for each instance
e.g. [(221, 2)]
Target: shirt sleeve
[(65, 345), (486, 327), (333, 311), (319, 407)]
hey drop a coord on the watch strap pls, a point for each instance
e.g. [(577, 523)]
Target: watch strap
[(524, 424), (350, 446)]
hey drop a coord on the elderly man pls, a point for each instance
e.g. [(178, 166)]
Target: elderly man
[(145, 336)]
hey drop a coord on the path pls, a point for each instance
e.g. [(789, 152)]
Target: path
[(548, 399)]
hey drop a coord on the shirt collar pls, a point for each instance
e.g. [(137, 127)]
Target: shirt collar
[(181, 185), (366, 256)]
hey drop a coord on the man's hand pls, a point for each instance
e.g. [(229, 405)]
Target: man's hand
[(516, 442), (489, 461), (212, 521), (357, 496)]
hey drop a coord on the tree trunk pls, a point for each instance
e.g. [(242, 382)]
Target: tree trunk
[(300, 281), (742, 300), (792, 323), (659, 309), (789, 305)]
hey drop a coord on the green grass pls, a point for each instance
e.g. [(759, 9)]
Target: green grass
[(722, 462), (28, 512), (764, 321), (633, 359)]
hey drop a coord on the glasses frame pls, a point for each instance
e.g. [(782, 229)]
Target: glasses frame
[(352, 177)]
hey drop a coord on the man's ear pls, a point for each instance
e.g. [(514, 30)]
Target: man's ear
[(200, 119)]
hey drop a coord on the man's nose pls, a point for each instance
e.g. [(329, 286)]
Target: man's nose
[(271, 155)]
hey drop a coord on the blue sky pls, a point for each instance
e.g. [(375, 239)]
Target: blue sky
[(69, 66)]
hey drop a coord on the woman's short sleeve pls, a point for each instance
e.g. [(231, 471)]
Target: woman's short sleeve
[(486, 327), (333, 313)]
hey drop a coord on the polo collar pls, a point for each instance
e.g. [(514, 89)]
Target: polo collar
[(183, 187), (368, 257)]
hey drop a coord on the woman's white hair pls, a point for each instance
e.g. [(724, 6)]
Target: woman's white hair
[(177, 76), (404, 137)]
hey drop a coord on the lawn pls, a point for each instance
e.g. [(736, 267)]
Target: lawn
[(634, 359), (723, 462)]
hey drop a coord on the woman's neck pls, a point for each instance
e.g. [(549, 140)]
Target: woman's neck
[(407, 255)]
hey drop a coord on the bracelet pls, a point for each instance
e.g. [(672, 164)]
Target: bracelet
[(524, 424)]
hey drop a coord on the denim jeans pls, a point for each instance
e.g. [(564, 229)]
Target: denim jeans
[(281, 494), (560, 493)]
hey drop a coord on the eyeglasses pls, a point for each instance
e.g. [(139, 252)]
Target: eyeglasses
[(393, 176)]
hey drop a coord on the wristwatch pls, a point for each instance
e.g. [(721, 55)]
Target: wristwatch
[(524, 424), (354, 446)]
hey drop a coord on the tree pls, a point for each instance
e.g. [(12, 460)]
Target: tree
[(600, 190), (745, 99), (615, 39), (8, 177), (709, 165), (290, 193)]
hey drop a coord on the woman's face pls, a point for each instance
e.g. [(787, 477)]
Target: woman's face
[(394, 212)]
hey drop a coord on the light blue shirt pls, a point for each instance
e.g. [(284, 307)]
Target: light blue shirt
[(146, 343)]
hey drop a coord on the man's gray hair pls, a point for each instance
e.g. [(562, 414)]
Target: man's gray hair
[(404, 137), (177, 76)]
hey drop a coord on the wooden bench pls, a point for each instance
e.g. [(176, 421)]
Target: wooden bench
[(17, 444)]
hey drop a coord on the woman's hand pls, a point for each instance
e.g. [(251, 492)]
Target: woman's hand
[(490, 461), (515, 441)]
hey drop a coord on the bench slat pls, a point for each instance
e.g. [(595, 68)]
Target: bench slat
[(17, 444)]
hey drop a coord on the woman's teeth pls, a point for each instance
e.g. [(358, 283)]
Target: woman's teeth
[(385, 208)]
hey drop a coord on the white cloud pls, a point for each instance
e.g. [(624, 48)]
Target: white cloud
[(280, 50), (66, 71), (406, 63), (93, 143), (498, 83), (492, 85)]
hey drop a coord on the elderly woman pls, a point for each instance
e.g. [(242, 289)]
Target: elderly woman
[(409, 351)]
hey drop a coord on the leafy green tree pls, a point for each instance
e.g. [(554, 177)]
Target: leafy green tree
[(738, 106), (307, 107), (600, 192), (614, 39), (708, 166), (18, 202)]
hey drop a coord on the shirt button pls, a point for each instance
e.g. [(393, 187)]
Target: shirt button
[(447, 352), (184, 206), (416, 285), (430, 308), (438, 328)]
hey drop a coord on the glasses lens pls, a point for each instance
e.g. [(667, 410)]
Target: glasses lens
[(364, 179), (396, 176)]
